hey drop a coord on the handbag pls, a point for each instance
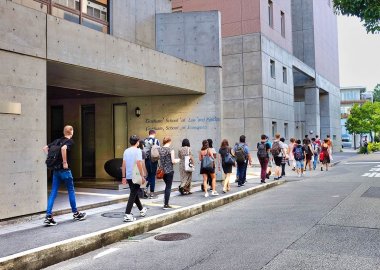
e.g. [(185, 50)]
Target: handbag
[(136, 176), (207, 163), (189, 165), (160, 173), (321, 156), (229, 159)]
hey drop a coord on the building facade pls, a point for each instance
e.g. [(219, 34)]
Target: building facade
[(114, 68)]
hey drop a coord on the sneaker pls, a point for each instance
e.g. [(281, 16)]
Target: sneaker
[(143, 212), (145, 195), (239, 185), (263, 182), (152, 196), (79, 216), (267, 176), (129, 218), (206, 194), (167, 206), (214, 193), (276, 178), (49, 221)]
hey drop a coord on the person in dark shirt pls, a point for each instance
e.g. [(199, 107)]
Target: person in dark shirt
[(63, 174), (263, 149)]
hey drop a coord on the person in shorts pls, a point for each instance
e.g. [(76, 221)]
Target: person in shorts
[(299, 156)]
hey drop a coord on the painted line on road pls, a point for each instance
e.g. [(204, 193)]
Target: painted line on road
[(361, 162), (106, 252), (371, 175)]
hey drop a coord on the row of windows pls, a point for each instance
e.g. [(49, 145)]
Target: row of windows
[(274, 129), (273, 72), (91, 13), (270, 16)]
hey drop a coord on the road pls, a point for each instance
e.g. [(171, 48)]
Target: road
[(330, 220)]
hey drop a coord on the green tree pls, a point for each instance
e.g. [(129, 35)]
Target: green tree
[(376, 93), (356, 122), (368, 11)]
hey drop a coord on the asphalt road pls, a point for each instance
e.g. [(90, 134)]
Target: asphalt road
[(328, 221)]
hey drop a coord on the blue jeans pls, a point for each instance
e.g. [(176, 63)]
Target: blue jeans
[(58, 177), (315, 161), (242, 170), (151, 168)]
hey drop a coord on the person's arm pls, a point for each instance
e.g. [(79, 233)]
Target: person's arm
[(249, 157), (64, 157), (45, 149), (200, 155), (174, 160), (123, 173), (219, 160)]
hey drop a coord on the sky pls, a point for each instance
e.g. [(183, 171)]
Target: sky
[(359, 54)]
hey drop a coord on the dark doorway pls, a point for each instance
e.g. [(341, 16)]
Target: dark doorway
[(56, 122), (88, 140)]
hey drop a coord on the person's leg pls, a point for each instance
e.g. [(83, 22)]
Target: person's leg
[(132, 196), (213, 181), (205, 177), (168, 186), (137, 198), (153, 168), (226, 182), (148, 170), (283, 169), (53, 193), (245, 168), (68, 178), (241, 174), (263, 170)]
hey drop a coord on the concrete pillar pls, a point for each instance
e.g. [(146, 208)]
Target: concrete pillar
[(312, 112), (325, 115)]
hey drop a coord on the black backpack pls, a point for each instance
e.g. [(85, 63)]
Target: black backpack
[(262, 150), (240, 155), (276, 149), (54, 156)]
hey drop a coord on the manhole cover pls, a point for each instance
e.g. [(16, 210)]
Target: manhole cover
[(113, 215), (172, 236), (372, 192)]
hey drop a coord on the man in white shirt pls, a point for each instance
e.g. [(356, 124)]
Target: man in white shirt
[(278, 153), (131, 157)]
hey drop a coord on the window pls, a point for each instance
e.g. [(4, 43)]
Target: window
[(282, 24), (286, 130), (274, 129), (90, 13), (270, 13), (284, 75), (272, 69)]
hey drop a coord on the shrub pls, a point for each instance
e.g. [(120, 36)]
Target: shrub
[(373, 147)]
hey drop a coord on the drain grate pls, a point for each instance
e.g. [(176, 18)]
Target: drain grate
[(172, 236), (113, 215), (372, 192)]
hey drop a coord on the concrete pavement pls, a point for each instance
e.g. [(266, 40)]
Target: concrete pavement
[(327, 221)]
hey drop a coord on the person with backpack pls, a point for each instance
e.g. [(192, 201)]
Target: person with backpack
[(316, 150), (285, 157), (142, 191), (59, 161), (243, 158), (151, 162), (206, 157), (167, 160), (227, 159), (214, 154), (132, 172), (278, 152), (185, 153), (263, 149), (309, 153), (270, 162), (299, 156)]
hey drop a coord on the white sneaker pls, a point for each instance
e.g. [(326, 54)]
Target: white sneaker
[(206, 194), (129, 218), (214, 193), (143, 212)]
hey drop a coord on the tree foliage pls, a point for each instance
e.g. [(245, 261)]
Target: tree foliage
[(376, 93), (364, 119), (367, 10)]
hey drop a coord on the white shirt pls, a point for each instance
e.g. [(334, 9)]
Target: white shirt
[(130, 156)]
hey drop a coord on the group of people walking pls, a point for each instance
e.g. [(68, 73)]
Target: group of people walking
[(145, 160)]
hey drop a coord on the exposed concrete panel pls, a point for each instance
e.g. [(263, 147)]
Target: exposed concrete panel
[(23, 30), (23, 180), (123, 19), (76, 45), (233, 70), (163, 6), (146, 23), (312, 113), (232, 45), (234, 92), (193, 36)]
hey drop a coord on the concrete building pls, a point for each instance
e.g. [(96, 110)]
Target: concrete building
[(121, 67), (280, 66)]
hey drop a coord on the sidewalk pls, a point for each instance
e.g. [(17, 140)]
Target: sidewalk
[(30, 245)]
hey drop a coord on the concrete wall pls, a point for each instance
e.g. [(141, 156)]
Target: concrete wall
[(192, 36), (22, 80), (134, 20), (74, 44)]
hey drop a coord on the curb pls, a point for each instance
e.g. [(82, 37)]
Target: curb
[(47, 255)]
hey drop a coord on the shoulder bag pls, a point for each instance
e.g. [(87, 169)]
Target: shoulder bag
[(189, 165)]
